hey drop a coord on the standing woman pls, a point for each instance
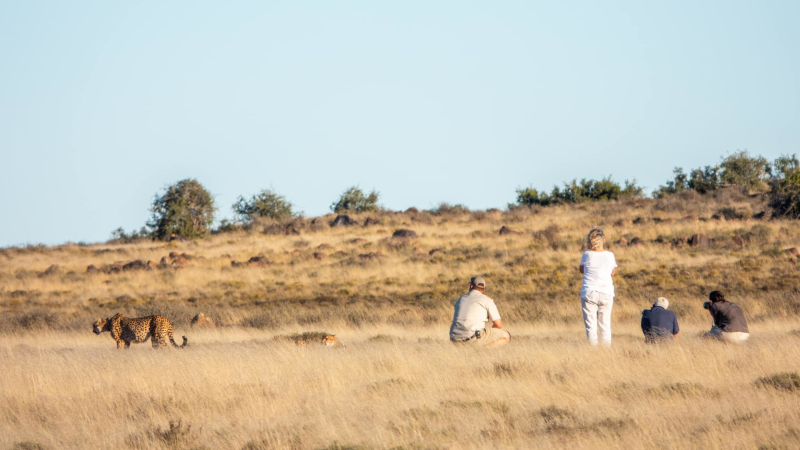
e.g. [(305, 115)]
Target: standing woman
[(597, 292)]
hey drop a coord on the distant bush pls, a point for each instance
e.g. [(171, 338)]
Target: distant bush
[(119, 236), (186, 209), (732, 214), (579, 191), (679, 183), (264, 204), (784, 197), (354, 200), (530, 196), (701, 180), (758, 234), (785, 166), (227, 226), (704, 180), (739, 169), (446, 209), (548, 236)]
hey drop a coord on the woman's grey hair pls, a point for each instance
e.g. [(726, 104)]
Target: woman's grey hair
[(594, 240)]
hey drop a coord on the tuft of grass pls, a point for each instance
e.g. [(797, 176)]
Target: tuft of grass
[(338, 446), (509, 369), (176, 436), (684, 390), (27, 445), (307, 336), (262, 320), (277, 438), (33, 320), (385, 338), (785, 381)]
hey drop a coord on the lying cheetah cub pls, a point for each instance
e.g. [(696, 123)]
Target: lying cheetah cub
[(327, 340)]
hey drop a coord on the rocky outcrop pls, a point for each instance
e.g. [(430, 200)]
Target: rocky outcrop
[(404, 234), (50, 271), (700, 240), (343, 221), (136, 265), (505, 231), (255, 261)]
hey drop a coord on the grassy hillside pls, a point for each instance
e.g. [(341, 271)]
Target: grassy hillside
[(398, 382), (348, 277)]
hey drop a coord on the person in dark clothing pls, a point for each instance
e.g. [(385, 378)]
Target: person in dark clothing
[(658, 323), (729, 323)]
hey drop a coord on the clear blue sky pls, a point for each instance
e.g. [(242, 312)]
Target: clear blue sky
[(102, 104)]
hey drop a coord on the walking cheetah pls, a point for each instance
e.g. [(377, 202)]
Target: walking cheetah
[(138, 330)]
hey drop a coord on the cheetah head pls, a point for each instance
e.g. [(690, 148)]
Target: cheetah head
[(101, 325), (329, 340)]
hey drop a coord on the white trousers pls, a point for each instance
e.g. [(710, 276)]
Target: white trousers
[(735, 337), (597, 314)]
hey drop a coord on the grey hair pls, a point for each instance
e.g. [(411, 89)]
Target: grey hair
[(594, 240)]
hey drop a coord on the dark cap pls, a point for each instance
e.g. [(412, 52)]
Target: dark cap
[(478, 282)]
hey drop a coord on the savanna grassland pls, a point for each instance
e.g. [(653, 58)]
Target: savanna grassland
[(397, 381)]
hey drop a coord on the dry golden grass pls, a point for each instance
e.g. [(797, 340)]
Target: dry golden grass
[(398, 382), (401, 388)]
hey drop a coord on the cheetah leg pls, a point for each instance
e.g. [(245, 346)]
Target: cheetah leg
[(153, 340), (127, 345), (120, 342)]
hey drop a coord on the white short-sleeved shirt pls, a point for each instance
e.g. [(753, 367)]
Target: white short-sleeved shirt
[(597, 268), (472, 311)]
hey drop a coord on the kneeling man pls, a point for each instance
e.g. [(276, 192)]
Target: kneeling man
[(658, 323), (473, 311)]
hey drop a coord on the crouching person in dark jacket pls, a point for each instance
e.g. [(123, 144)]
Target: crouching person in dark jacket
[(729, 323), (659, 324)]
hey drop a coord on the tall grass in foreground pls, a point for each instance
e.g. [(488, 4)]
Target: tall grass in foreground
[(396, 387)]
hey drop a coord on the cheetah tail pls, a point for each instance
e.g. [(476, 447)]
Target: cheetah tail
[(185, 341)]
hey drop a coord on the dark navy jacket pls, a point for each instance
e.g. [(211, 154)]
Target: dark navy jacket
[(659, 324)]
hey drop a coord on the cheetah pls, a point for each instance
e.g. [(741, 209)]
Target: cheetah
[(138, 330), (302, 339)]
